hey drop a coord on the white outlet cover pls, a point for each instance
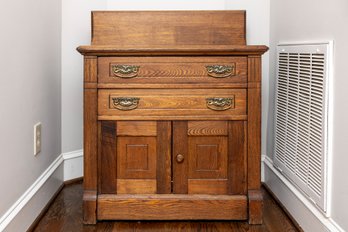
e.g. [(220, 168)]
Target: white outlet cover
[(37, 138)]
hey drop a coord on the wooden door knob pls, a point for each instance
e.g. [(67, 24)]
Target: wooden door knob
[(179, 158)]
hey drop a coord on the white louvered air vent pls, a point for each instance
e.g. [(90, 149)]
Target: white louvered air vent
[(301, 118)]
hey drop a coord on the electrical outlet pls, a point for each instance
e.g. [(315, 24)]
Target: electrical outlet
[(37, 138)]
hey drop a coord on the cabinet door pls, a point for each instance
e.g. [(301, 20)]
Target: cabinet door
[(135, 157), (209, 157)]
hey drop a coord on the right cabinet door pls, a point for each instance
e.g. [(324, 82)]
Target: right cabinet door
[(209, 157)]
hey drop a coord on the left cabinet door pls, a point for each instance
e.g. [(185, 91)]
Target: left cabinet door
[(135, 157)]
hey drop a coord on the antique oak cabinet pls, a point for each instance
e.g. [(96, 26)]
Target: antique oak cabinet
[(171, 117)]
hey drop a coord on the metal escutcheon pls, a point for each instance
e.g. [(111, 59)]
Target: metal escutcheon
[(125, 71), (220, 103), (221, 71), (125, 103)]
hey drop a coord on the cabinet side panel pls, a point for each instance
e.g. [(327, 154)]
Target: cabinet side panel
[(254, 122), (90, 155), (90, 141), (90, 69)]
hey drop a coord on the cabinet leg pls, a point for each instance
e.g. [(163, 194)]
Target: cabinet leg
[(255, 206), (89, 207)]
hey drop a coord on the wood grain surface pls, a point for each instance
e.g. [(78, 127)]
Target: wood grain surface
[(171, 207), (136, 186), (180, 147), (207, 128), (172, 69), (137, 128), (174, 102), (254, 124), (188, 50), (90, 141), (107, 168), (255, 206), (144, 28), (207, 157), (169, 86), (136, 157), (237, 159), (164, 157), (208, 186), (90, 69)]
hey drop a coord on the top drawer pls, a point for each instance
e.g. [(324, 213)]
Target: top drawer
[(172, 69)]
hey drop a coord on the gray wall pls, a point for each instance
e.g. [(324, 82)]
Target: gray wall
[(30, 92), (76, 30), (318, 20)]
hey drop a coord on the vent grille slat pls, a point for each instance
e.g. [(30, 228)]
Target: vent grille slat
[(301, 118)]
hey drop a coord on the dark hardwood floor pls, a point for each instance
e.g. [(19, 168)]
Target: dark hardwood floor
[(65, 214)]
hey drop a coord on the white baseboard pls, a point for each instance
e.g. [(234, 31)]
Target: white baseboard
[(26, 209), (73, 165), (308, 216)]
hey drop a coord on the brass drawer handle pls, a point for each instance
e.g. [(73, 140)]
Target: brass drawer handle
[(125, 103), (125, 71), (220, 103), (221, 71), (179, 158)]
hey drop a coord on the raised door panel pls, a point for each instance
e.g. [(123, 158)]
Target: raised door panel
[(209, 157), (137, 157), (136, 164), (207, 168)]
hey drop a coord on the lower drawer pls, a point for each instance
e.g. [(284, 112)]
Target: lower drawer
[(125, 104)]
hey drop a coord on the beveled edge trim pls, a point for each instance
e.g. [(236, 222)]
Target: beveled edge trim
[(178, 117), (103, 85), (188, 50)]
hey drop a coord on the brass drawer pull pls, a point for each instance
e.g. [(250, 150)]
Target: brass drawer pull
[(125, 71), (125, 103), (221, 71), (220, 103)]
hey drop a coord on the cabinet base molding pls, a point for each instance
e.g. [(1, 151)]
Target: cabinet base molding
[(89, 207), (255, 206), (171, 207)]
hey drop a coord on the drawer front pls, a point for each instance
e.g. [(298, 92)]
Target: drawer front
[(172, 69), (173, 103)]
